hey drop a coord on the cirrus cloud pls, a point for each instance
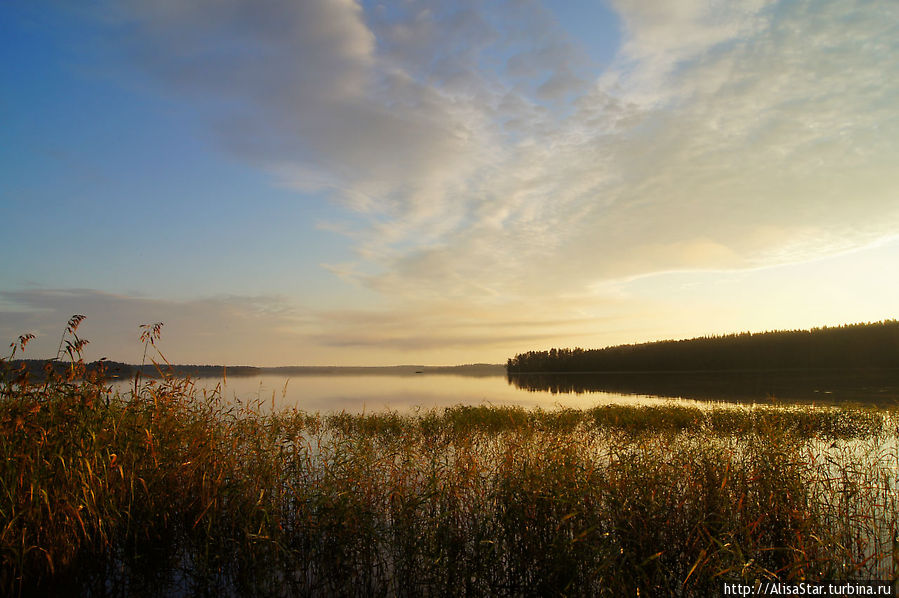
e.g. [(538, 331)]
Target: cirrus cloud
[(478, 157)]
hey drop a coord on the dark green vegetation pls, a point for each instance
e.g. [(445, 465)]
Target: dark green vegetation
[(166, 490), (853, 346)]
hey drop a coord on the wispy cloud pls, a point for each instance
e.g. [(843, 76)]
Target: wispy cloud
[(216, 330), (275, 331), (482, 159)]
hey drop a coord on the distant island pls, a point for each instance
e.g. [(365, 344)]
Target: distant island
[(853, 346)]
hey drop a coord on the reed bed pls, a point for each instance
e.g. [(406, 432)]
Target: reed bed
[(167, 490)]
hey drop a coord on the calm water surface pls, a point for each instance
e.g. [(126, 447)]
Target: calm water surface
[(406, 392), (403, 393)]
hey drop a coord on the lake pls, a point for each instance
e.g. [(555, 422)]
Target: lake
[(404, 393), (360, 393)]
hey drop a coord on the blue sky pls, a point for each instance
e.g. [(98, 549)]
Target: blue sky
[(425, 182)]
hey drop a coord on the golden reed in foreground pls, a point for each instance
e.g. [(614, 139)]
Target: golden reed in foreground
[(166, 490)]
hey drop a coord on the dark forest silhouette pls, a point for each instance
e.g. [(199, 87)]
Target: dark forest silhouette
[(853, 346)]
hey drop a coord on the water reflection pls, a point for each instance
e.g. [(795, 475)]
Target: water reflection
[(406, 393), (366, 393), (825, 386)]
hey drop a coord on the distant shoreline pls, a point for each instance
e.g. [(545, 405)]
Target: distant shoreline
[(115, 369)]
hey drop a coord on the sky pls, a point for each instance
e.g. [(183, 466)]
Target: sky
[(309, 182)]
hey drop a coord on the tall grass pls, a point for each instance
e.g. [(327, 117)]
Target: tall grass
[(167, 490)]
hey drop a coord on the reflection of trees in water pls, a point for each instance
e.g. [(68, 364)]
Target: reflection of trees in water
[(867, 386)]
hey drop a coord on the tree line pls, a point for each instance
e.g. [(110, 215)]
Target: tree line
[(865, 345), (38, 368)]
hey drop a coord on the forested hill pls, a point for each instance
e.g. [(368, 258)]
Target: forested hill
[(872, 345)]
